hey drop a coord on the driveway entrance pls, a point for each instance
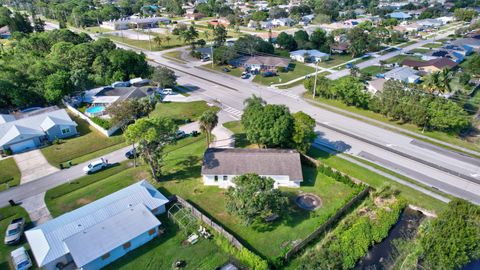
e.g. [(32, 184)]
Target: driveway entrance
[(33, 165)]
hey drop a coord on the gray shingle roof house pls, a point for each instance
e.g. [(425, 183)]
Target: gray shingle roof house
[(261, 62), (100, 232), (20, 134), (221, 165), (403, 74)]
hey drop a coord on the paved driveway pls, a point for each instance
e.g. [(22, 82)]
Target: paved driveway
[(33, 165)]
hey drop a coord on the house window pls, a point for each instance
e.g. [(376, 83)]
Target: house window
[(225, 178), (65, 130), (215, 178), (106, 256), (127, 245), (151, 232)]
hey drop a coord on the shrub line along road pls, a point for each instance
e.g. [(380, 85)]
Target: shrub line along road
[(231, 92)]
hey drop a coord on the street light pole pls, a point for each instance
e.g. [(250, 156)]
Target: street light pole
[(315, 83)]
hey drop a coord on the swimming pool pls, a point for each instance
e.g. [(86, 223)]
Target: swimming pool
[(95, 110)]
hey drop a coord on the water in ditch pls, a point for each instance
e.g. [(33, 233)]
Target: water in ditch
[(382, 255)]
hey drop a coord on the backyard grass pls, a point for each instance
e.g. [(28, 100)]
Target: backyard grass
[(181, 112), (335, 60), (449, 138), (6, 215), (241, 140), (296, 70), (9, 173), (164, 251), (420, 50), (236, 72), (90, 144)]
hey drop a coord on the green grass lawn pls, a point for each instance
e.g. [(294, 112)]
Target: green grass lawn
[(98, 29), (432, 45), (373, 70), (163, 251), (6, 215), (90, 144), (335, 60), (175, 55), (148, 45), (9, 173), (296, 70), (181, 111), (449, 138), (399, 58), (407, 43), (236, 72), (420, 50)]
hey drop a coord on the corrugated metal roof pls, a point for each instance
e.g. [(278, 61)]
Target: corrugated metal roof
[(57, 230), (103, 237), (32, 125)]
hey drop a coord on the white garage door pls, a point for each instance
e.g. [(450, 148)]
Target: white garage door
[(22, 146)]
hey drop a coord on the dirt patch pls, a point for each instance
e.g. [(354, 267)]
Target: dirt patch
[(83, 201), (142, 175), (385, 202)]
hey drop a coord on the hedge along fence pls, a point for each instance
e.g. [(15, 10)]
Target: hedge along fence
[(227, 241), (328, 224)]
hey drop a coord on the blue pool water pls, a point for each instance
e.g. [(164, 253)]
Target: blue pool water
[(95, 109)]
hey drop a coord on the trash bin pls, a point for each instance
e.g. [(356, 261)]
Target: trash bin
[(12, 203), (69, 163), (61, 166)]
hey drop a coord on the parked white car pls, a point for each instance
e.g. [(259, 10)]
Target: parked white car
[(95, 166), (14, 231), (20, 259)]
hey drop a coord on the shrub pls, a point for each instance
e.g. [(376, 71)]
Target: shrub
[(245, 256), (8, 152), (104, 123)]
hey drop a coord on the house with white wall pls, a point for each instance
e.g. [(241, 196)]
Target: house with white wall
[(222, 165), (95, 235)]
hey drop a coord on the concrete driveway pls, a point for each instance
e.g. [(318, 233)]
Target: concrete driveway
[(33, 165)]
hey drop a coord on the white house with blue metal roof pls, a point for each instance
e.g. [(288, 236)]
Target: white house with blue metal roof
[(100, 232)]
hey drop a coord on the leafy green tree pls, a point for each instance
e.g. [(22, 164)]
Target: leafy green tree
[(447, 116), (358, 41), (302, 39), (268, 125), (252, 45), (152, 136), (303, 131), (39, 25), (254, 198), (223, 54), (164, 77), (57, 85), (208, 121), (219, 36), (464, 14), (189, 36), (259, 16), (320, 40), (452, 239), (286, 41)]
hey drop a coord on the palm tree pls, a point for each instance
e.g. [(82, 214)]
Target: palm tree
[(208, 121), (206, 34), (445, 79), (157, 41), (167, 39), (432, 82)]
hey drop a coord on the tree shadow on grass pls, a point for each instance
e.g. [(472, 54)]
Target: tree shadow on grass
[(185, 173)]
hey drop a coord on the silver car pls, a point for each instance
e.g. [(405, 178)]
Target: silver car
[(14, 231)]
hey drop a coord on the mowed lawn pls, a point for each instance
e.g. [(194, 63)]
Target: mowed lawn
[(236, 72), (335, 60), (296, 70), (181, 111), (7, 214), (9, 173), (164, 251), (183, 178), (90, 144)]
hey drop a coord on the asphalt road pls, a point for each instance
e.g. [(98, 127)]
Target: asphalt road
[(230, 92)]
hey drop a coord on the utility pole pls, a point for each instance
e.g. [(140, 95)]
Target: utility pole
[(211, 48), (315, 83)]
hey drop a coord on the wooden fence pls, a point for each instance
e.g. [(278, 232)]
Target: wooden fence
[(331, 221), (195, 212)]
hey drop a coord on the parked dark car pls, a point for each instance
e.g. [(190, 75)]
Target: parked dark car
[(269, 74), (130, 154), (349, 65), (181, 134), (226, 69)]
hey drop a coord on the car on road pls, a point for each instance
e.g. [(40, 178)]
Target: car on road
[(205, 59), (349, 65), (95, 166), (14, 231), (245, 75), (130, 154), (226, 69), (20, 259)]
